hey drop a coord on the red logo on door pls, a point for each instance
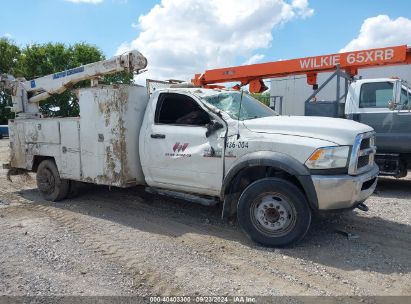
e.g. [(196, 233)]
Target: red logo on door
[(180, 147)]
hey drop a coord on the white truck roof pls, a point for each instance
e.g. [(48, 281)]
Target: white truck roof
[(200, 92), (375, 80)]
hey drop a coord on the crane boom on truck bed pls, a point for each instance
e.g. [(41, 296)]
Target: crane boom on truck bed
[(350, 62), (26, 94)]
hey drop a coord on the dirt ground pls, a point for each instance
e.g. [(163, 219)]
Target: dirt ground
[(129, 242)]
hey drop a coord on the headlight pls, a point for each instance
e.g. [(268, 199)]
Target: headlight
[(328, 158)]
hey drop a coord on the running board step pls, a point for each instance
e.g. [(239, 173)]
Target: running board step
[(205, 201)]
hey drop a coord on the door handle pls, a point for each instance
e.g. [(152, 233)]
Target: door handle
[(158, 136)]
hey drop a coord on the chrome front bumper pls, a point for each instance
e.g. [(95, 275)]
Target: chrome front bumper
[(344, 191)]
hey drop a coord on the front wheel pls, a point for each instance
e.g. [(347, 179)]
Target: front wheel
[(274, 212), (51, 186)]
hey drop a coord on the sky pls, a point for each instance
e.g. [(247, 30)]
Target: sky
[(184, 37)]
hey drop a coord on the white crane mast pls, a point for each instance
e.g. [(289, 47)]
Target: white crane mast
[(26, 94)]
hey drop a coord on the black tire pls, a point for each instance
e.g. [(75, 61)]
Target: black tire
[(274, 212), (49, 183)]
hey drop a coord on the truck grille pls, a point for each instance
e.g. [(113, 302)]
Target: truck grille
[(363, 161), (362, 154), (365, 143)]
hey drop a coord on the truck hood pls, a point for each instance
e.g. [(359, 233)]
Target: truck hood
[(336, 130)]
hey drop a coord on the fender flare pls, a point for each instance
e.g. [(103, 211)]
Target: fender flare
[(276, 160)]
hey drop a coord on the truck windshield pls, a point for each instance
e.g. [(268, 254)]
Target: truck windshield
[(229, 102)]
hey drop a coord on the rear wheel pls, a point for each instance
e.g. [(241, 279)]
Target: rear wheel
[(274, 212), (49, 183)]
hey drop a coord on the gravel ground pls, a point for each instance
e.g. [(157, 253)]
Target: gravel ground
[(129, 242)]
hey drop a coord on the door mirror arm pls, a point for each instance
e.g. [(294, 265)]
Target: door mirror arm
[(392, 105), (212, 127)]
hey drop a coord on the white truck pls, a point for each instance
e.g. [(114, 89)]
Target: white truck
[(385, 105), (218, 145)]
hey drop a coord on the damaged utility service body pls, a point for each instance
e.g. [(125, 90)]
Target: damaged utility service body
[(271, 171)]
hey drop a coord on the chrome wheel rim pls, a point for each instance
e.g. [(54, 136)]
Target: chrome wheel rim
[(273, 214)]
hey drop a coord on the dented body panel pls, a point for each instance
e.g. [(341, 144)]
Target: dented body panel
[(110, 121), (100, 146)]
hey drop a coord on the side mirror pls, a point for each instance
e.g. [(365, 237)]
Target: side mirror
[(212, 127)]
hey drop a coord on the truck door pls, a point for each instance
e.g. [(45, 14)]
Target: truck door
[(391, 123), (178, 155), (70, 149), (402, 121), (372, 110)]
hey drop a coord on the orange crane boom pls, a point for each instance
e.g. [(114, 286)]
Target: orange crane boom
[(254, 74)]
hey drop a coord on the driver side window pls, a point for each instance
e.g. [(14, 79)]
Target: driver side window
[(376, 94), (179, 109)]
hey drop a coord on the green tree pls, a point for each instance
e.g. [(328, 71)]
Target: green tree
[(262, 97), (37, 60), (9, 58), (42, 59)]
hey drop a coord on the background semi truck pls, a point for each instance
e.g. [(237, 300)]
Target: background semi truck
[(211, 145), (382, 103), (294, 89)]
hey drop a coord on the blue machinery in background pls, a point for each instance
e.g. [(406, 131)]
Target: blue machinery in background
[(4, 131)]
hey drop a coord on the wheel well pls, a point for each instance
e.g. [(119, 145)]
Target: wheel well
[(245, 177), (38, 159)]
